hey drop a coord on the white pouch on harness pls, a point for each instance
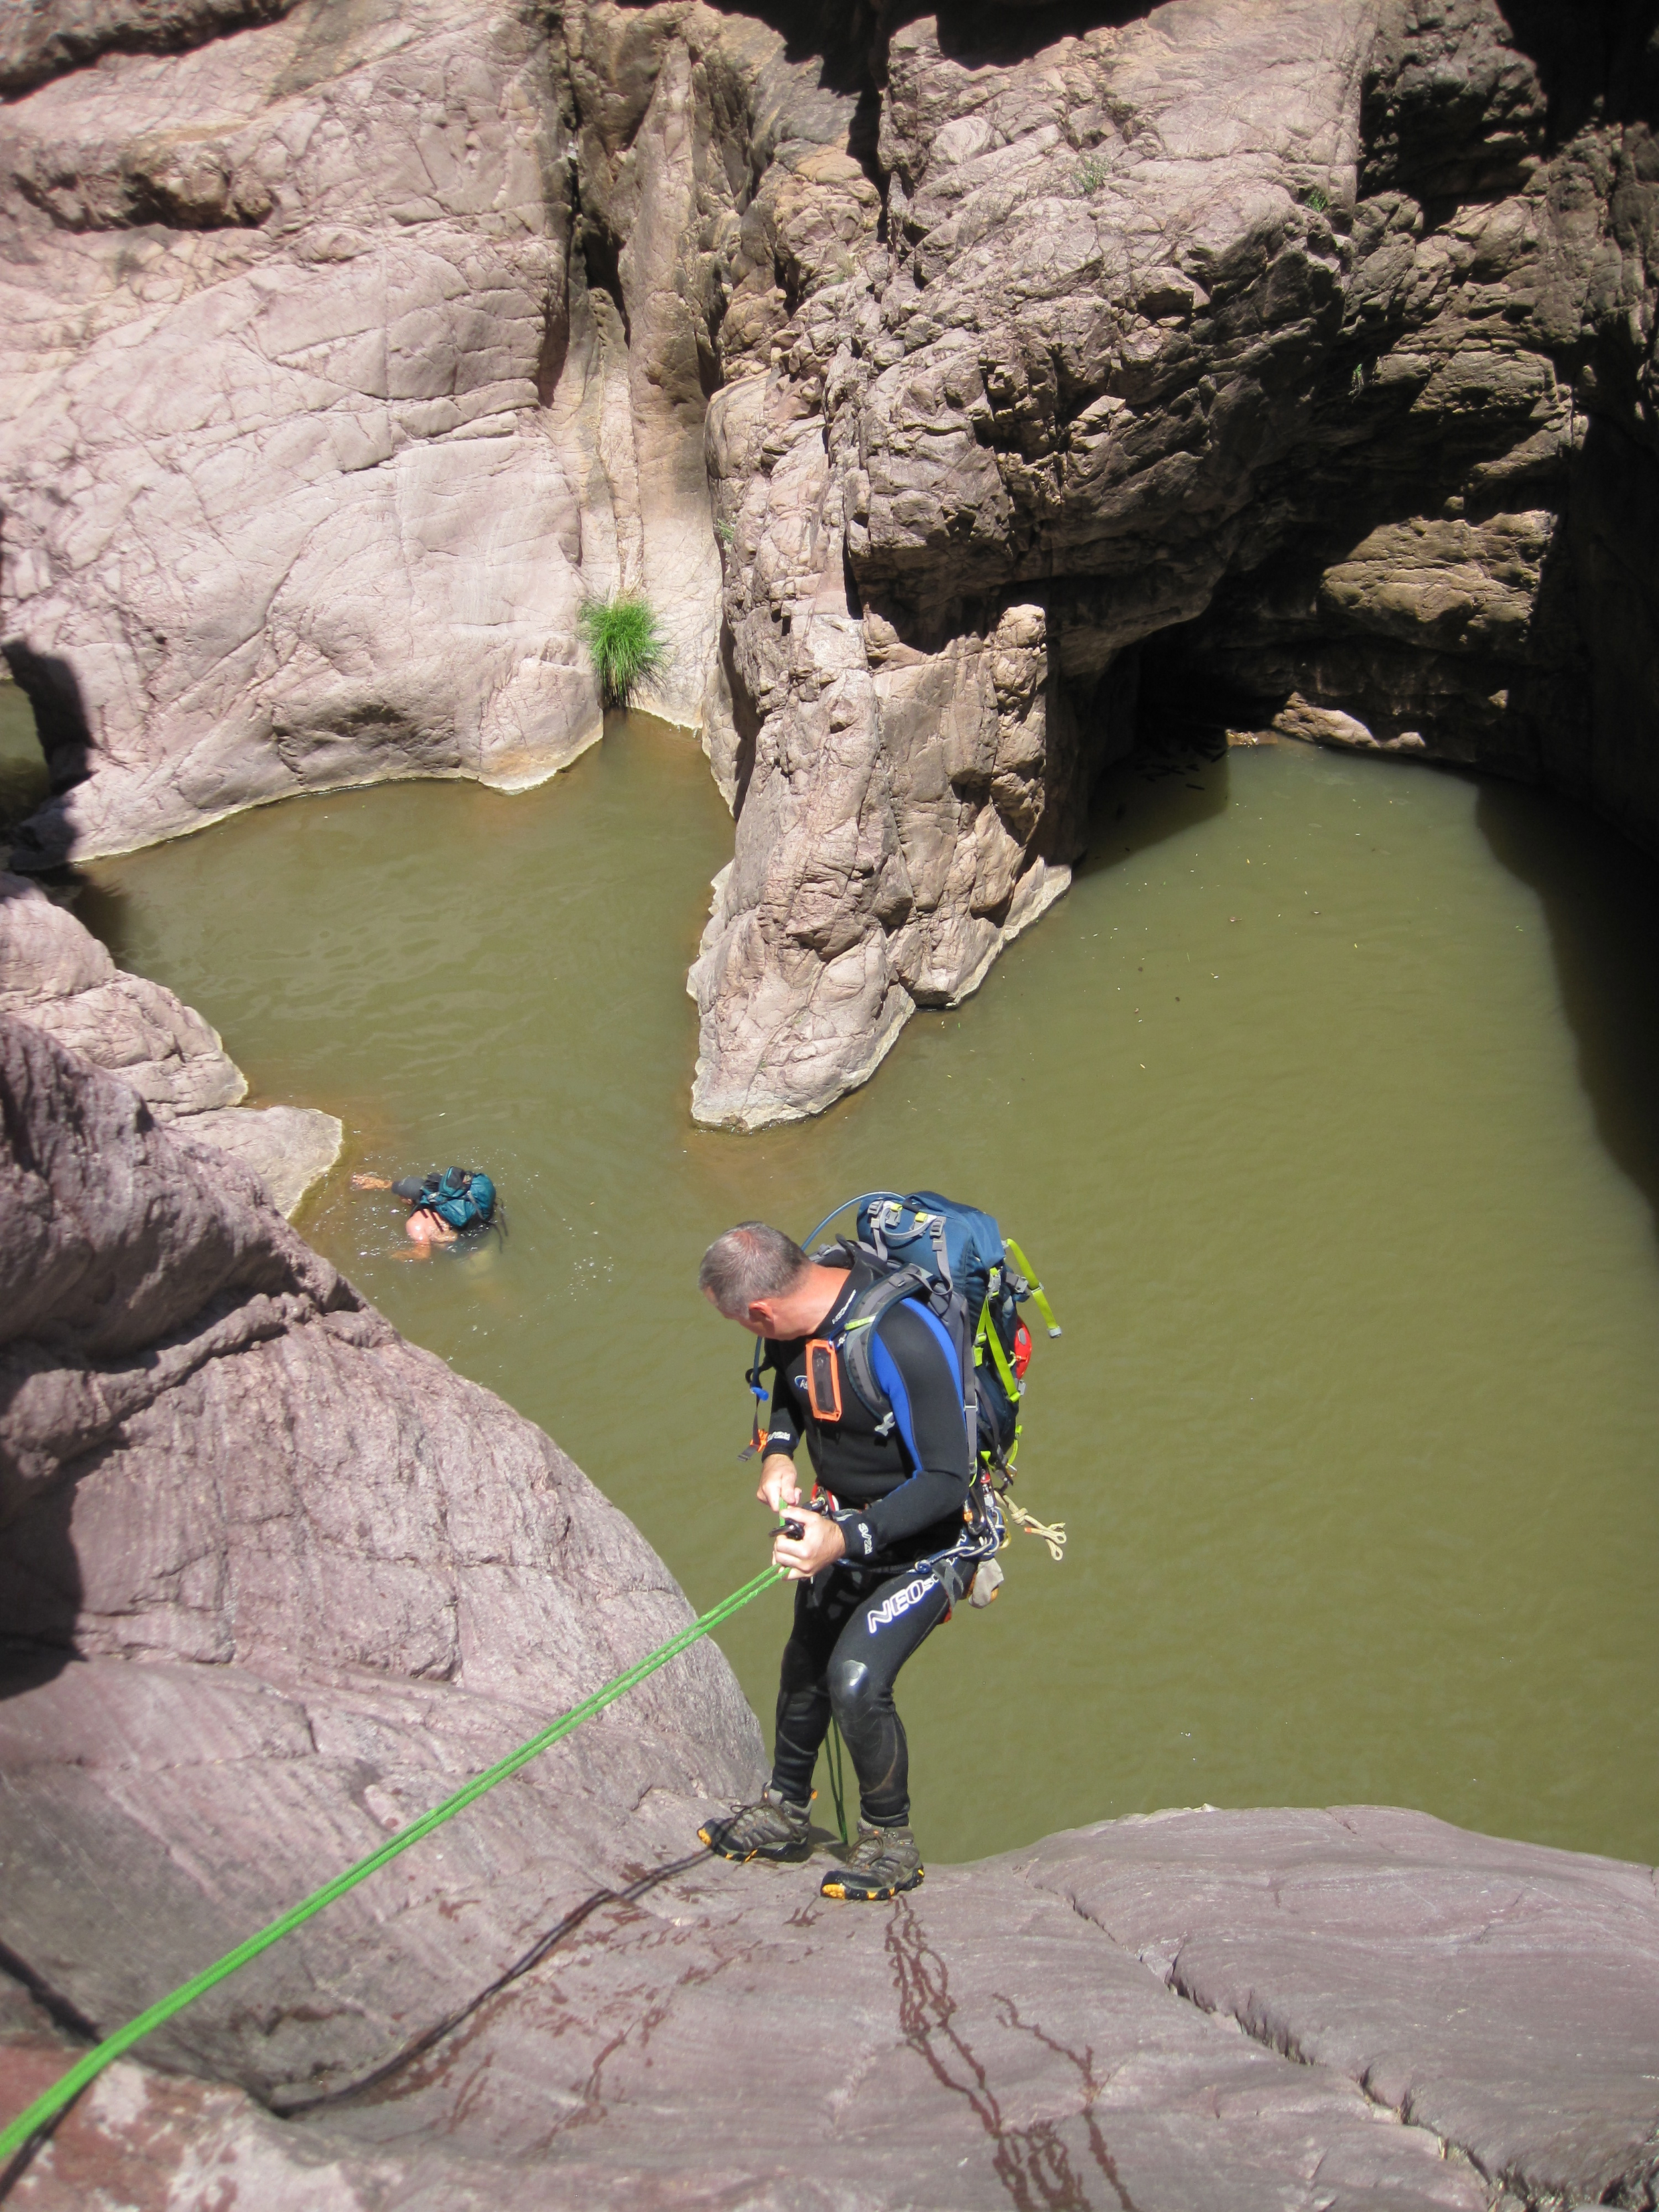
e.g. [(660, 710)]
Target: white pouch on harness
[(988, 1579)]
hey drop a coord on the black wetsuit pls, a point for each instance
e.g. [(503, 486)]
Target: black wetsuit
[(900, 1498)]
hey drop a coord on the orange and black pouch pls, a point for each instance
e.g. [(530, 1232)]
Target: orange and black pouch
[(823, 1380)]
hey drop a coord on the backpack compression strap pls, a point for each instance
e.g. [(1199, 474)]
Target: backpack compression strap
[(890, 1215)]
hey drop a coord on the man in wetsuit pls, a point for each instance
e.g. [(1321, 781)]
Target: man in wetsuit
[(897, 1481)]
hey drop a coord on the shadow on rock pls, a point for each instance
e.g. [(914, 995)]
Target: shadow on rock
[(41, 1592), (385, 2078), (1594, 55), (53, 691), (1598, 898), (983, 33)]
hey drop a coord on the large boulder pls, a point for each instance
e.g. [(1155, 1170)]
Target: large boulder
[(274, 1581), (316, 438), (55, 975), (1200, 2012)]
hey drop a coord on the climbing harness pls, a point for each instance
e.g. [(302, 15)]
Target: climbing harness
[(63, 2091)]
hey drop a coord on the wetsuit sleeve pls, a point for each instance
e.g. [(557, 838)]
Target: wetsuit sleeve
[(913, 1361), (410, 1186), (783, 1425)]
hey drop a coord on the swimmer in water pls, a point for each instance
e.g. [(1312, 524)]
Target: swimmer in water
[(442, 1208)]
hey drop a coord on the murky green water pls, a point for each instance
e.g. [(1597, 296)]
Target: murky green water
[(23, 779), (1326, 1102)]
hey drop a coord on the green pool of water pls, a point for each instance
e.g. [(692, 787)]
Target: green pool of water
[(23, 779), (1324, 1100)]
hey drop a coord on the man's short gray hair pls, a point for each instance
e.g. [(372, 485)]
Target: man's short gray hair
[(751, 1262)]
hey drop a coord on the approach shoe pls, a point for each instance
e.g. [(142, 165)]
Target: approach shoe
[(883, 1861), (770, 1828)]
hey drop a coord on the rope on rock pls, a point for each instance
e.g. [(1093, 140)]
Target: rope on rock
[(63, 2091)]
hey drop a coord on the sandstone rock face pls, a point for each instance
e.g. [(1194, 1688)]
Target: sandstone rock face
[(1468, 567), (960, 387), (1061, 2027), (272, 1582), (1260, 354), (41, 37), (1506, 1997), (315, 445), (56, 974)]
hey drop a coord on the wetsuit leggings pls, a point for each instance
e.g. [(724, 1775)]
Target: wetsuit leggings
[(848, 1646)]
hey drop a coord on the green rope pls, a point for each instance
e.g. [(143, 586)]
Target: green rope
[(836, 1786), (63, 2091)]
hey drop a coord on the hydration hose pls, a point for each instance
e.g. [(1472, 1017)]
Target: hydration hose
[(63, 2091)]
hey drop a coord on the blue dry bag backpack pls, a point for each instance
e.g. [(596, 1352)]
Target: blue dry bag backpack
[(963, 1247), (959, 1249), (462, 1198)]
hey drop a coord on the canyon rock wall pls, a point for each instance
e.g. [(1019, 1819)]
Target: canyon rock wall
[(1293, 363), (273, 1582), (968, 389), (56, 976), (317, 434)]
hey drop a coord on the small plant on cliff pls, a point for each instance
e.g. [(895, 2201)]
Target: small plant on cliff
[(1090, 176), (625, 643), (1318, 200)]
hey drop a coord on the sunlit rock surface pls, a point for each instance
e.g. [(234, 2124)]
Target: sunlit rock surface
[(1429, 2018), (965, 391), (272, 1582), (1209, 356), (56, 974), (316, 438)]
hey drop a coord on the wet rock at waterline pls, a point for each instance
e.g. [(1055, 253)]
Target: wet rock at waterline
[(1059, 2027), (55, 975), (273, 1581)]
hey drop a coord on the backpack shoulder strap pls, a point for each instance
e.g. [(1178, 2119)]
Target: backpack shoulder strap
[(859, 1329)]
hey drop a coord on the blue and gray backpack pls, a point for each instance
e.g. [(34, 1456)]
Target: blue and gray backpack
[(464, 1199), (955, 1260)]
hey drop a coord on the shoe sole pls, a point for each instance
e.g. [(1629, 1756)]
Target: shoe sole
[(834, 1888), (780, 1855)]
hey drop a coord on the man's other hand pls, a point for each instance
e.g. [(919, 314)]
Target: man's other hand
[(778, 1485), (819, 1544)]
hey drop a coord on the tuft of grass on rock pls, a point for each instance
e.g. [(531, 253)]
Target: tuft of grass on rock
[(1317, 199), (1090, 176), (625, 644)]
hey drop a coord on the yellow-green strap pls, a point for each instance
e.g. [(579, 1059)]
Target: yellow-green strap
[(988, 1334), (63, 2091), (1026, 1269)]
